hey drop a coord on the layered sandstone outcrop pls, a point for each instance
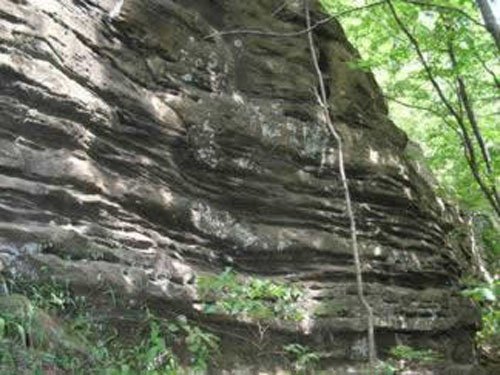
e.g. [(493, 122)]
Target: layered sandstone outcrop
[(148, 144)]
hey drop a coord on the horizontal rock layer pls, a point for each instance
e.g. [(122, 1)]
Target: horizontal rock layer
[(134, 143)]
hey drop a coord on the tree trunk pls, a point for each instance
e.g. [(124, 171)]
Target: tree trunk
[(489, 19)]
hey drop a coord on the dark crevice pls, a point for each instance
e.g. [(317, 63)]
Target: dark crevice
[(299, 114), (411, 280), (12, 19), (87, 254)]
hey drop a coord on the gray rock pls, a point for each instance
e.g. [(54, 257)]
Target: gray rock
[(121, 140)]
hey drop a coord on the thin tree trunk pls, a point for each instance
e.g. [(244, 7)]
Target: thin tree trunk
[(354, 242), (464, 97), (469, 110), (489, 19), (496, 80), (469, 157)]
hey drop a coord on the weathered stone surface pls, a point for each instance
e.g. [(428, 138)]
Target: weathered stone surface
[(130, 141)]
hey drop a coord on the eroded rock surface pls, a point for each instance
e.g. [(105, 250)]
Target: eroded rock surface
[(142, 150)]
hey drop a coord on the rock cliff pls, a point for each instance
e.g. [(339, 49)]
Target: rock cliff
[(142, 151)]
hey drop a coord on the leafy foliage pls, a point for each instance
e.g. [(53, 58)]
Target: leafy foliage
[(483, 293), (154, 354), (304, 359), (488, 298), (403, 357), (403, 352), (50, 295), (456, 48), (228, 293)]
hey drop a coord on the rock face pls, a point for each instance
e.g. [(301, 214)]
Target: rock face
[(143, 150)]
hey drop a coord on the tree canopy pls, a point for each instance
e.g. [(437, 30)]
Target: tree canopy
[(439, 67)]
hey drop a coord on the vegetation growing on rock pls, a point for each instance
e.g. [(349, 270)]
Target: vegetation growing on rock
[(143, 154), (254, 298)]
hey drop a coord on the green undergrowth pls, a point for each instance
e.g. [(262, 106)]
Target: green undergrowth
[(261, 299), (407, 353), (488, 299), (403, 357), (158, 353), (87, 341), (37, 334), (83, 344), (303, 359)]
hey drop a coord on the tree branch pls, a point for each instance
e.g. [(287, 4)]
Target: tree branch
[(425, 109), (469, 110), (280, 8), (484, 188), (423, 61), (293, 34), (467, 153), (468, 144), (427, 4), (496, 81)]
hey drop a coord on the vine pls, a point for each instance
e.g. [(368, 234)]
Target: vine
[(322, 99)]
